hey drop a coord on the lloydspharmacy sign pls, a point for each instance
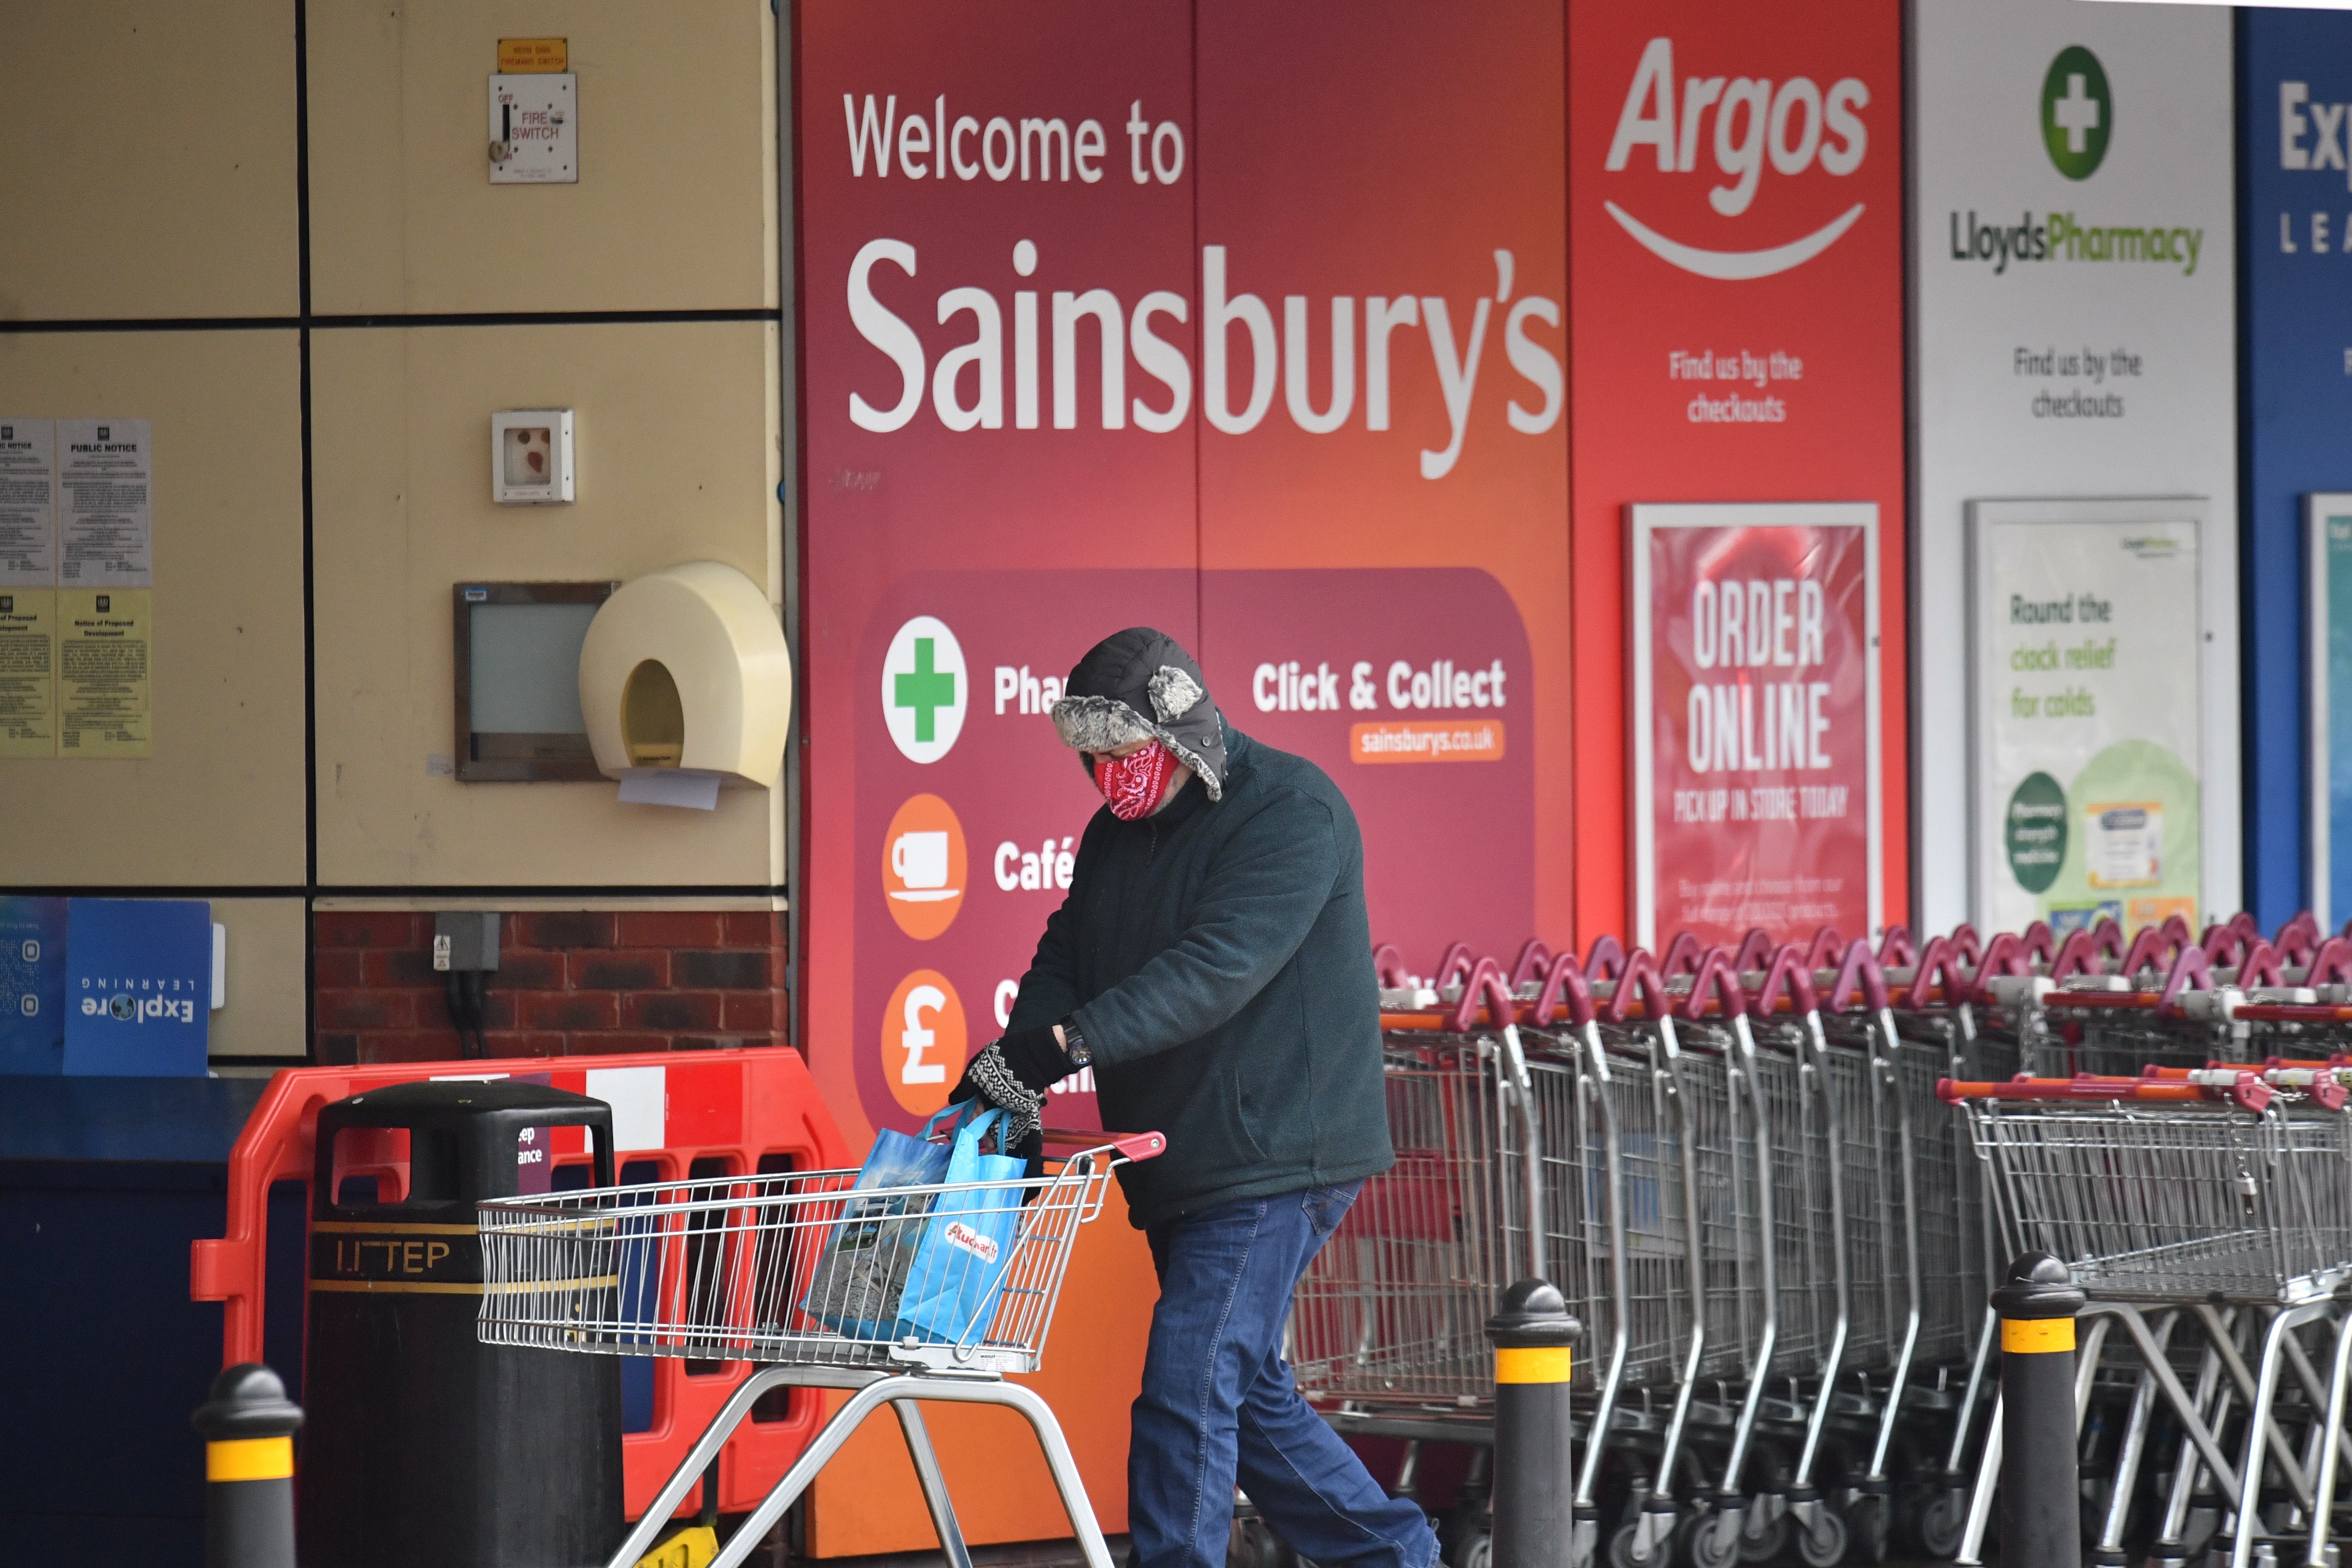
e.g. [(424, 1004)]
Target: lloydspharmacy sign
[(2078, 119)]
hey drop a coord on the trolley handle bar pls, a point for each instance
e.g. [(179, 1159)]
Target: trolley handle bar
[(1788, 972), (2245, 1089), (1134, 1146)]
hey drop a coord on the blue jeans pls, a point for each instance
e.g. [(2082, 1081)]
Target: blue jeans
[(1218, 1401)]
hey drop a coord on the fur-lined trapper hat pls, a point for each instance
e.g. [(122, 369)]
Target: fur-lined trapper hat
[(1138, 685)]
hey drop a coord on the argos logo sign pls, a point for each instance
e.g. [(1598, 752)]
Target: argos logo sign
[(1731, 131)]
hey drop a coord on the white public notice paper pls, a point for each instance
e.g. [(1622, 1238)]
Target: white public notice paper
[(28, 503), (106, 519)]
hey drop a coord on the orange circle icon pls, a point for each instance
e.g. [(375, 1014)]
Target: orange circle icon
[(923, 1041), (923, 867)]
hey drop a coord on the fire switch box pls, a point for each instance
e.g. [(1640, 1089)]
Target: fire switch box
[(535, 129)]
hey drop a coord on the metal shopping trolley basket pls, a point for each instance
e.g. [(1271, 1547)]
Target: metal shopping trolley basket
[(2192, 1197), (738, 1269)]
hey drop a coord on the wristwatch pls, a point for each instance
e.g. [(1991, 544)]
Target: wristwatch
[(1073, 1043)]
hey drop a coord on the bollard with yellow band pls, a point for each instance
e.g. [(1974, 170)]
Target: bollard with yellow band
[(248, 1432), (1534, 1492), (2041, 1504)]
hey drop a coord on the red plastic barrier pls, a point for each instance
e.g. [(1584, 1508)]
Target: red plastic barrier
[(731, 1109)]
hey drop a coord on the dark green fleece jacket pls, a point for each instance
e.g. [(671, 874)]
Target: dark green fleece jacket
[(1217, 956)]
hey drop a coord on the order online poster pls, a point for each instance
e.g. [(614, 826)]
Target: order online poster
[(2076, 336), (1755, 755), (2085, 669)]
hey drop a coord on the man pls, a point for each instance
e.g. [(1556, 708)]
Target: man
[(1213, 962)]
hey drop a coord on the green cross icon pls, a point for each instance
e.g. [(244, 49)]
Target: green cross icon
[(925, 690)]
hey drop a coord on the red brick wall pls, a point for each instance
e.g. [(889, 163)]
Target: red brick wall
[(655, 980)]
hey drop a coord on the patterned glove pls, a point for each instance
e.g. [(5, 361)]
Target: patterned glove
[(1013, 1073)]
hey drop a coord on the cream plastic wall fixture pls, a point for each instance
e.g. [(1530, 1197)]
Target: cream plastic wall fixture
[(686, 668)]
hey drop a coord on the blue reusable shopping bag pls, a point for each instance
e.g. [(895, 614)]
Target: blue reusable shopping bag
[(882, 1260)]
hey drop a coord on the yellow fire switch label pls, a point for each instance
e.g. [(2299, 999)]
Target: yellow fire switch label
[(103, 683), (28, 672), (518, 56)]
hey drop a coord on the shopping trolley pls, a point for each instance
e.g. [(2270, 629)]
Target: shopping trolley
[(746, 1269), (2214, 1200)]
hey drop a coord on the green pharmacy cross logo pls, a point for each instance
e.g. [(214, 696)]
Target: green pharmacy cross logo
[(925, 690), (2077, 112)]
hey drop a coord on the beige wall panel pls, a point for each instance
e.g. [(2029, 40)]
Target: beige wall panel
[(674, 432), (150, 159), (220, 802), (675, 205), (266, 1014)]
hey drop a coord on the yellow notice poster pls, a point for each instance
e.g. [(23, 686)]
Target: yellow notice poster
[(102, 672), (28, 672)]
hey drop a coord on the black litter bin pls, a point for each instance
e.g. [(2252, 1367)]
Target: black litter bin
[(424, 1448)]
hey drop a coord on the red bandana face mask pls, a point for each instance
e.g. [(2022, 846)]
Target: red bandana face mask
[(1134, 784)]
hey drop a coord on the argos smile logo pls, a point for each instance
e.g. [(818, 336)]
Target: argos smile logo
[(1749, 123)]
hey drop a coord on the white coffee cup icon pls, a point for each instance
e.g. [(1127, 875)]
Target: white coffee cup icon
[(920, 860)]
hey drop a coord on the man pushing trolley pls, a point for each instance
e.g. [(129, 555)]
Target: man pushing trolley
[(1213, 965)]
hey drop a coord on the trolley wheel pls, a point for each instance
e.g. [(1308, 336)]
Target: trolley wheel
[(1867, 1523), (1698, 1538), (1465, 1523), (1478, 1550), (1251, 1544), (1943, 1522), (1773, 1543), (1621, 1549), (1823, 1546)]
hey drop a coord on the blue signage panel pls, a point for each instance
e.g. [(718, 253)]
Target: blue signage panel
[(32, 985), (138, 987), (2294, 131)]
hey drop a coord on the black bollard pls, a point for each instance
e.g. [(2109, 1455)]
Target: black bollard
[(2041, 1504), (1534, 1483), (248, 1431)]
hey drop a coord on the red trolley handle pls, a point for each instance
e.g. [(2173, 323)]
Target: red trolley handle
[(2078, 954), (1859, 968), (1134, 1146), (1828, 947), (1564, 981), (1682, 956), (1458, 964), (1715, 976), (1533, 960), (1965, 942), (1606, 961), (2005, 954), (2191, 971), (1790, 972), (1938, 966), (2038, 941), (1640, 978), (2331, 964), (2246, 1090), (1388, 966), (2260, 965), (1756, 950), (2298, 937), (1485, 983), (1896, 949)]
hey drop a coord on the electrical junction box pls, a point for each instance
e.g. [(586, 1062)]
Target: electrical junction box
[(534, 129), (465, 941), (530, 457)]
